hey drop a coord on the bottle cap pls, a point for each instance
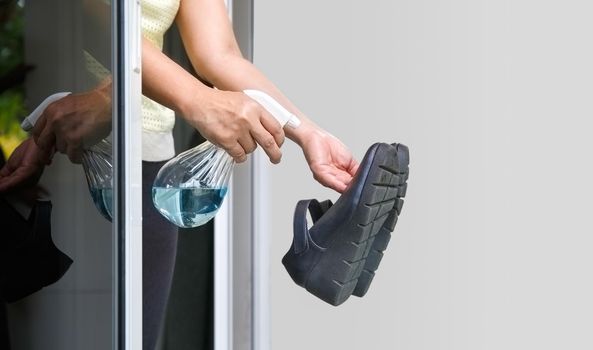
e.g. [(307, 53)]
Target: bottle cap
[(30, 121), (282, 115)]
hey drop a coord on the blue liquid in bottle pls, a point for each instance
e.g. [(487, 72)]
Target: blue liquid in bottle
[(188, 207), (103, 198)]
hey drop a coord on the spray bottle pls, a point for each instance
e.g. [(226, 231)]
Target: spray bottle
[(96, 162), (189, 189)]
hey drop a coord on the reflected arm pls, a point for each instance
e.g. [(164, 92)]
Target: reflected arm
[(97, 30)]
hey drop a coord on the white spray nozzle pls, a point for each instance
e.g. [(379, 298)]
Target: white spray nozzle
[(282, 115), (30, 121)]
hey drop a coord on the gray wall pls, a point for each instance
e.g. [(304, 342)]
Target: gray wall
[(493, 249)]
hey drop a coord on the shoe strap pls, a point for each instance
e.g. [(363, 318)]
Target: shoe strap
[(300, 227)]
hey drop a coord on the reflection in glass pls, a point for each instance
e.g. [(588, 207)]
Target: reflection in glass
[(65, 282)]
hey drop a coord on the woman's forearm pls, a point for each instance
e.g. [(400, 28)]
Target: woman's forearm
[(234, 73), (210, 43), (167, 83)]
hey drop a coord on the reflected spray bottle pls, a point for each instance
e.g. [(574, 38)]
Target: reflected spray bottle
[(97, 162)]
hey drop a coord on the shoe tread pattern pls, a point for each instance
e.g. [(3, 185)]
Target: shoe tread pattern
[(397, 184)]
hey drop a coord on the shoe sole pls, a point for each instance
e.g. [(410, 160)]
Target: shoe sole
[(381, 240)]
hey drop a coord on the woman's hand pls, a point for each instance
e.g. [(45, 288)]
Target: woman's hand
[(24, 167), (237, 123), (75, 122), (231, 120), (330, 161)]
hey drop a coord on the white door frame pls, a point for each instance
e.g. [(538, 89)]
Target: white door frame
[(241, 238), (127, 176)]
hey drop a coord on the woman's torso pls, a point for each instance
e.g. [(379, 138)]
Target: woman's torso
[(157, 120)]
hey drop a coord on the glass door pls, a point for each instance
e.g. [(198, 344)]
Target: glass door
[(70, 266), (58, 265)]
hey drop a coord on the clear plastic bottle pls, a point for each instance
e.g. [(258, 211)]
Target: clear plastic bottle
[(98, 168), (96, 162), (189, 189)]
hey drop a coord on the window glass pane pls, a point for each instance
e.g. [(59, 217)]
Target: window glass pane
[(57, 297)]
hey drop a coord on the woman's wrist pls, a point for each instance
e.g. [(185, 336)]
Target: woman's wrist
[(192, 100), (304, 132)]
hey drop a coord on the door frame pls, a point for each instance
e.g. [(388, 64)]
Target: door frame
[(127, 175), (241, 237)]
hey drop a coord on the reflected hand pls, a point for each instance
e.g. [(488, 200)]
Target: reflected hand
[(237, 123), (330, 160), (75, 122), (24, 167)]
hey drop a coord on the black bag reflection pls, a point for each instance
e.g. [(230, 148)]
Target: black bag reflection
[(29, 259)]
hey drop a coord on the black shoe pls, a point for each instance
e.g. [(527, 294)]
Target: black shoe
[(328, 258)]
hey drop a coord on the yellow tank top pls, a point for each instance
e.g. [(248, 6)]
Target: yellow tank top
[(157, 120), (157, 17)]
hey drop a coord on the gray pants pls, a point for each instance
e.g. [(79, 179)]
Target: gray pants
[(159, 247)]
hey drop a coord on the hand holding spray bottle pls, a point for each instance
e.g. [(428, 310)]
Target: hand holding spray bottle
[(97, 162), (189, 189)]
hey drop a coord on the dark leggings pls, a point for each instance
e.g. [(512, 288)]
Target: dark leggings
[(159, 246)]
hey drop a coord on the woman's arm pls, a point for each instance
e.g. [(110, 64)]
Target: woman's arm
[(228, 119), (210, 43), (212, 48)]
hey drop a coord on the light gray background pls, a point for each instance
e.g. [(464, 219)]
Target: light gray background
[(493, 249)]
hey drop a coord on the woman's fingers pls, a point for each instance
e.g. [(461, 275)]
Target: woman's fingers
[(61, 145), (334, 182), (268, 133), (353, 168), (74, 154), (248, 143), (43, 134), (341, 180), (8, 182), (16, 178), (267, 142), (237, 152), (273, 127)]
